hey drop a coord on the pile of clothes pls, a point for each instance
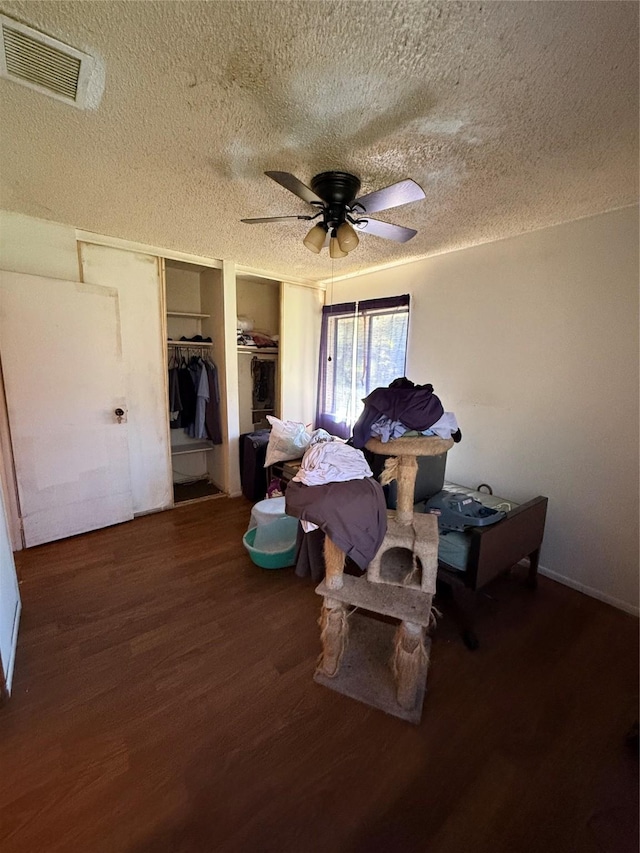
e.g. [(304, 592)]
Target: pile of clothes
[(403, 408), (335, 491), (258, 340)]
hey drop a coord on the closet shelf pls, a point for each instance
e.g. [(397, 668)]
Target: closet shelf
[(188, 314), (189, 344), (258, 350), (194, 447)]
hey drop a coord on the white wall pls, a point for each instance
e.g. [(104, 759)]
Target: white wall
[(533, 343), (260, 300), (229, 313), (38, 247), (299, 347), (35, 247)]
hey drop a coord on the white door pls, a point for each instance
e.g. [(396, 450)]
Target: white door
[(9, 606), (62, 365)]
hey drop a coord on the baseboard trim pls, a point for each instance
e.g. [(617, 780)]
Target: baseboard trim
[(144, 512), (634, 610)]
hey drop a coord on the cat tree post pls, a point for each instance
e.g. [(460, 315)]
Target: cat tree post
[(415, 532)]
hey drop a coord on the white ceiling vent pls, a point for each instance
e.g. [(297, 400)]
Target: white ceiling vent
[(44, 63)]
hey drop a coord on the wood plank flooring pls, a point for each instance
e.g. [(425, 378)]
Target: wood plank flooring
[(163, 701)]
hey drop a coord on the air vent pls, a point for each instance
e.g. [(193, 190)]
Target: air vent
[(43, 63)]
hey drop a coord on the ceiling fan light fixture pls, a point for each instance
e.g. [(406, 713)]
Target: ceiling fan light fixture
[(347, 237), (314, 241), (334, 196), (334, 249)]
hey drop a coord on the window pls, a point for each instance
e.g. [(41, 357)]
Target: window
[(363, 346)]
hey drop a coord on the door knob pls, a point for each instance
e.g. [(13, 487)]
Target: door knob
[(119, 413)]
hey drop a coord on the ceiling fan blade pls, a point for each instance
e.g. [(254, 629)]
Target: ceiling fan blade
[(291, 183), (385, 229), (273, 219), (401, 193)]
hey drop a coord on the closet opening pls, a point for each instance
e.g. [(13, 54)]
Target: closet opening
[(195, 354)]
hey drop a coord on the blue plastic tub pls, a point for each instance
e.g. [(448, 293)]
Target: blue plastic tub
[(276, 543)]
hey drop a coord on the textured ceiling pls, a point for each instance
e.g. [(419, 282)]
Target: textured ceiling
[(511, 116)]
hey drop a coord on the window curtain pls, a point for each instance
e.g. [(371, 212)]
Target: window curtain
[(363, 345)]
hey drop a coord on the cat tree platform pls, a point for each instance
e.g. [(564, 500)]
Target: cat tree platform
[(365, 673)]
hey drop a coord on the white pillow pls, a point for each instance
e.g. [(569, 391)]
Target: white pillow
[(287, 440)]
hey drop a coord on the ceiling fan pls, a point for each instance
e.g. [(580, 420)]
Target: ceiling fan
[(333, 195)]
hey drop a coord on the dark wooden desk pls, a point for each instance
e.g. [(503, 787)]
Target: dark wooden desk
[(494, 550)]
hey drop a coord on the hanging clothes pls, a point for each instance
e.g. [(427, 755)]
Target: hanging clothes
[(197, 428), (187, 391), (212, 410), (263, 372), (194, 395), (175, 403)]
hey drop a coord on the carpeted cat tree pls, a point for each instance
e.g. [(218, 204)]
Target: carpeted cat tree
[(379, 662)]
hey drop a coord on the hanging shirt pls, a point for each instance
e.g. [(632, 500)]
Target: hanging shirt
[(212, 410), (187, 396), (175, 404), (263, 372), (198, 429)]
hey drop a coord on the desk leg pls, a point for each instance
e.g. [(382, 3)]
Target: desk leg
[(465, 600), (532, 577)]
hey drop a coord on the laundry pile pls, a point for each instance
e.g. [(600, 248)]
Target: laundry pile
[(258, 340), (329, 460), (248, 337), (335, 491), (403, 408)]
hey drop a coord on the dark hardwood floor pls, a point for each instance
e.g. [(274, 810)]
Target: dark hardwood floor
[(163, 701)]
